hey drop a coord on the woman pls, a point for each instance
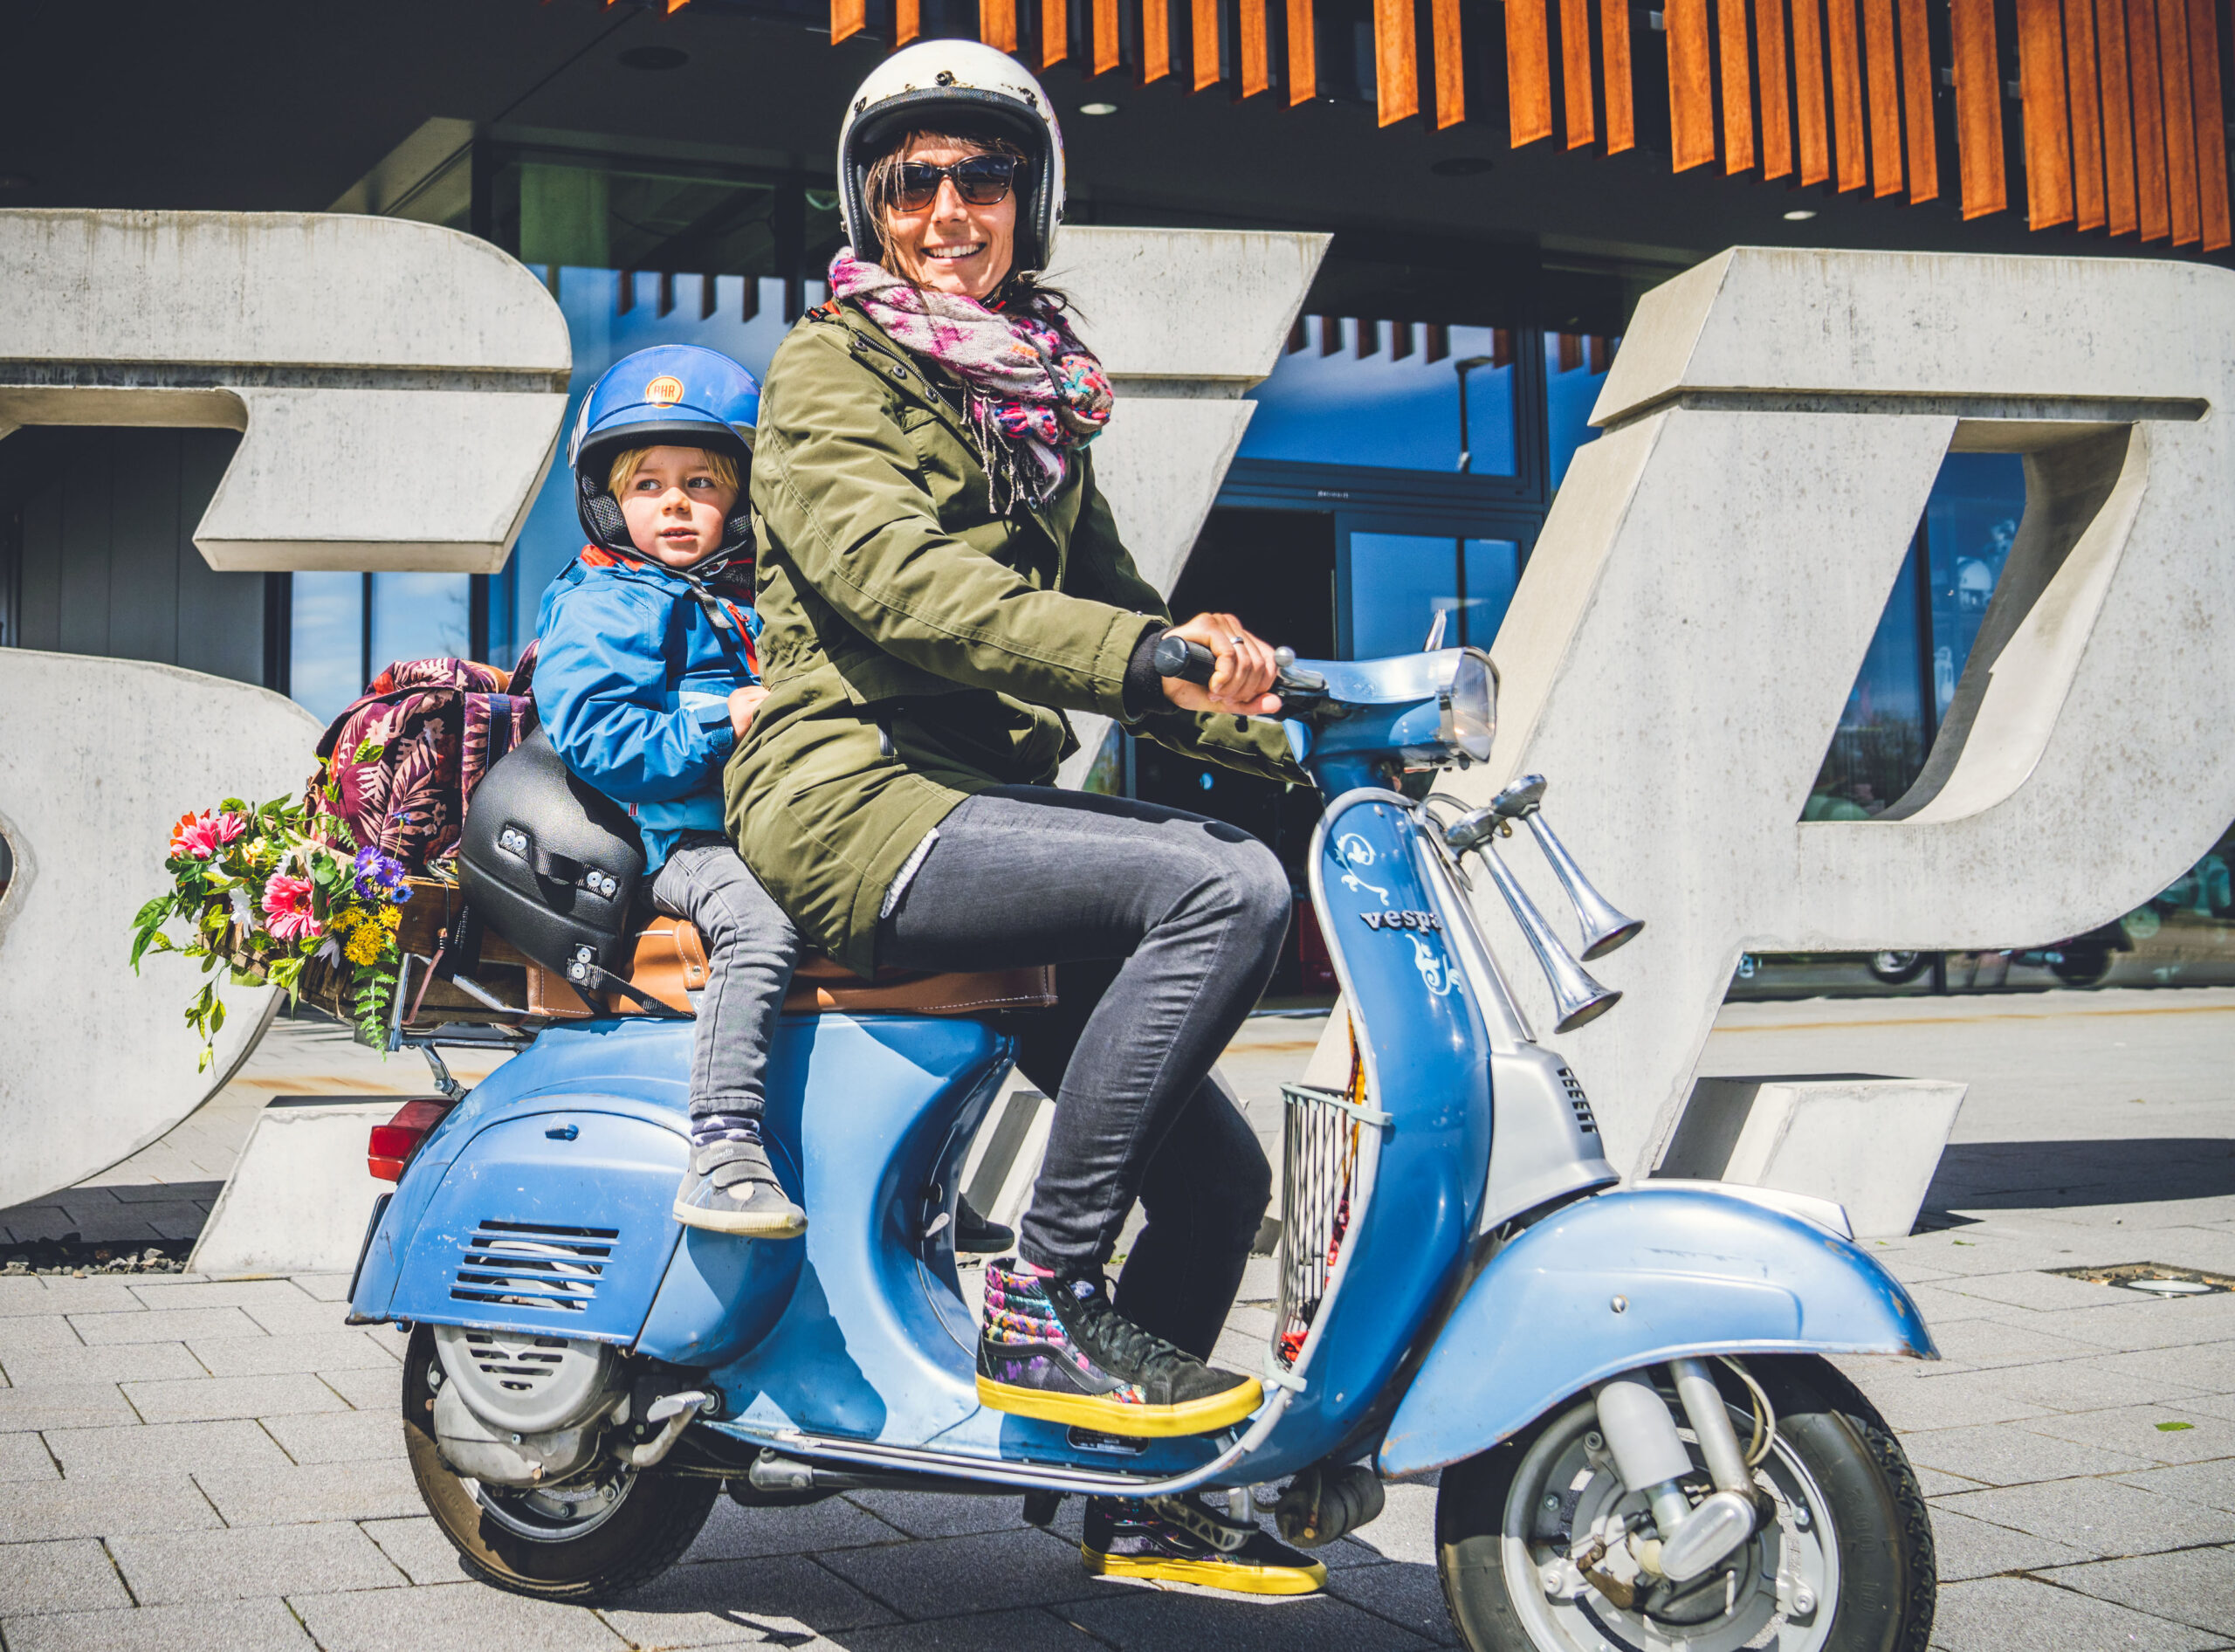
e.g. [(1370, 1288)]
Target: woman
[(939, 580)]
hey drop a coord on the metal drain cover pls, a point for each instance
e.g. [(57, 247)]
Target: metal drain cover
[(2153, 1279)]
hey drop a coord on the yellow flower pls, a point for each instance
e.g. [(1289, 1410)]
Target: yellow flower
[(366, 944), (339, 922), (390, 917)]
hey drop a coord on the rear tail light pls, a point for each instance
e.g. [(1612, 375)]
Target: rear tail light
[(395, 1142)]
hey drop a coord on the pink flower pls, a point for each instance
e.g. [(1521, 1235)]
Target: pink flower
[(287, 906), (203, 836)]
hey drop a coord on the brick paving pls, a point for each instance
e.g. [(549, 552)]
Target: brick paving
[(188, 1463)]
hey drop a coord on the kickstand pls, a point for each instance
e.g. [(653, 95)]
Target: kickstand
[(443, 1082)]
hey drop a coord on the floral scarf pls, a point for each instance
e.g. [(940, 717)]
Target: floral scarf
[(1034, 392)]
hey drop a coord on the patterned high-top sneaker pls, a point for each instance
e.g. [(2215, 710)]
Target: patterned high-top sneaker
[(1057, 1350), (1127, 1538)]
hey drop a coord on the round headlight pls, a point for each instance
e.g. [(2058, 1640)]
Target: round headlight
[(1470, 705)]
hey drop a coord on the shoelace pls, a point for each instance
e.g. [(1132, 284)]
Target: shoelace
[(1125, 1343)]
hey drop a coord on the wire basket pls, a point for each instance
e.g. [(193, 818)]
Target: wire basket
[(1327, 1154)]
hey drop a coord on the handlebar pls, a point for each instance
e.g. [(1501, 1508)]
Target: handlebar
[(1190, 662)]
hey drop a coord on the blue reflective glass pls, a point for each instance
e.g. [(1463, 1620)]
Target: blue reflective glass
[(1880, 744), (1575, 367), (1400, 582), (421, 617), (1372, 406), (1970, 524), (325, 665)]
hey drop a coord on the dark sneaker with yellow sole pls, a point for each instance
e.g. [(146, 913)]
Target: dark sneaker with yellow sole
[(1057, 1350), (1126, 1537), (730, 1188)]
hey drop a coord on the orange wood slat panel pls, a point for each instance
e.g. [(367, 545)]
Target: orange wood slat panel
[(1916, 102), (1775, 80), (1396, 60), (848, 18), (1528, 73), (2149, 120), (1303, 54), (907, 22), (1203, 42), (2081, 78), (1156, 38), (1978, 108), (1614, 54), (2211, 132), (1249, 40), (1737, 95), (1691, 86), (1808, 90), (2180, 118), (1885, 97), (2120, 212), (1450, 65), (2041, 84), (1846, 93), (997, 23), (1575, 72), (1054, 32), (1105, 35)]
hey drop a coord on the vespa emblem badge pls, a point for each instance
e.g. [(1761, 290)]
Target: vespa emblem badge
[(1401, 920), (664, 391)]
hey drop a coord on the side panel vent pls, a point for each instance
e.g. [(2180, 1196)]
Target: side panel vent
[(1580, 1102), (527, 1265)]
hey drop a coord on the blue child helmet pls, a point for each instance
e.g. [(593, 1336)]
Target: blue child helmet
[(669, 395)]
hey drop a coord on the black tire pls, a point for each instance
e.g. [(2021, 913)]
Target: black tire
[(1884, 1548), (1898, 969), (654, 1517)]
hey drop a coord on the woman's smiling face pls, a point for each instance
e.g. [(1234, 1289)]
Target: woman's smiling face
[(950, 246)]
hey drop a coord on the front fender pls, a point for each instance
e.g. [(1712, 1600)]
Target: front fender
[(1635, 1277)]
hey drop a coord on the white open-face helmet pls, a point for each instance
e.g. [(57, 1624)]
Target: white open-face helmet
[(974, 86)]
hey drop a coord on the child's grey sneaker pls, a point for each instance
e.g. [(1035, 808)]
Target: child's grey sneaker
[(730, 1188)]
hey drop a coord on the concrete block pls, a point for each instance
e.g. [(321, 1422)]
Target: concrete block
[(729, 1601), (733, 1533), (2100, 1517), (130, 1361), (299, 1198), (458, 1615), (2155, 1432), (74, 1575), (215, 1399), (1151, 1619), (24, 1457), (379, 1490), (151, 1448), (2196, 1587), (234, 1564), (2211, 1483), (1408, 1595), (229, 1626), (154, 1501), (2010, 1455), (72, 1405), (162, 1325), (1868, 1143), (2021, 1614), (37, 1294), (369, 1389), (338, 1436), (344, 1350), (945, 1577), (419, 1547), (1027, 1631)]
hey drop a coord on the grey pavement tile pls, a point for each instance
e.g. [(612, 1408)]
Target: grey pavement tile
[(2007, 1454), (88, 1454), (127, 1362), (418, 1547), (205, 1626), (1406, 1528), (2018, 1614), (2145, 1324), (2034, 1289), (231, 1564), (322, 1287), (2087, 1384), (74, 1575), (162, 1325), (73, 1405), (1968, 1548), (939, 1516), (222, 1293), (283, 1316), (367, 1387), (2100, 1517), (37, 1332), (2207, 1367), (328, 1491), (1961, 1257), (2195, 1587), (1954, 1400), (156, 1501), (36, 1294), (1936, 1483), (457, 1614), (306, 1351), (733, 1532), (943, 1577), (2212, 1405), (1028, 1631), (24, 1456), (723, 1602), (1983, 1344), (2211, 1483), (116, 1225), (1155, 1620), (2137, 1430), (140, 1193), (338, 1436), (1407, 1595), (208, 1398)]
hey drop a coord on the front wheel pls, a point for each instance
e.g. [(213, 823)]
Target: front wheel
[(585, 1541), (1846, 1564)]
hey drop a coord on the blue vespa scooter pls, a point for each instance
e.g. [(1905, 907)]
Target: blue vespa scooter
[(1641, 1443)]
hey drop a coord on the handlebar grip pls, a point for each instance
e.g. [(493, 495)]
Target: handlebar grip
[(1177, 657)]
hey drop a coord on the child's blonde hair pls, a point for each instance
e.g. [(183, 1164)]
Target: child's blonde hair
[(720, 465)]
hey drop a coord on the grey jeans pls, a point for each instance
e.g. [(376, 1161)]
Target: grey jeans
[(1164, 927), (751, 948)]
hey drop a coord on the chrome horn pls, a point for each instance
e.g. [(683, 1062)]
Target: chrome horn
[(1576, 997), (1604, 925)]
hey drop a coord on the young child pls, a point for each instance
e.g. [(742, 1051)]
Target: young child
[(645, 680)]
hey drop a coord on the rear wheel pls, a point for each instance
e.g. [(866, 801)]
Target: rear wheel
[(594, 1537), (1846, 1564)]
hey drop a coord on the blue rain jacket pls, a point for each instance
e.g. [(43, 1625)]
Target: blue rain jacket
[(632, 682)]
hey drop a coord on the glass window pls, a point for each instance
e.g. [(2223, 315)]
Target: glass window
[(325, 667), (1970, 524), (1880, 744), (1575, 367), (421, 617), (1386, 393), (1400, 582)]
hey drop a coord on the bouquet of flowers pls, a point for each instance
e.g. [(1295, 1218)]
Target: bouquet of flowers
[(267, 891)]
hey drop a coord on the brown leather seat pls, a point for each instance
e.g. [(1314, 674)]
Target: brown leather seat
[(672, 961)]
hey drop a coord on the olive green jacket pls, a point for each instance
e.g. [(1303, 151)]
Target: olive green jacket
[(918, 648)]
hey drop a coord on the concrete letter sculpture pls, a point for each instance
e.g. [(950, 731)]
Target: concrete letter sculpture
[(1677, 655)]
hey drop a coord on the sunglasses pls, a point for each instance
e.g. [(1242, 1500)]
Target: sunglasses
[(982, 181)]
